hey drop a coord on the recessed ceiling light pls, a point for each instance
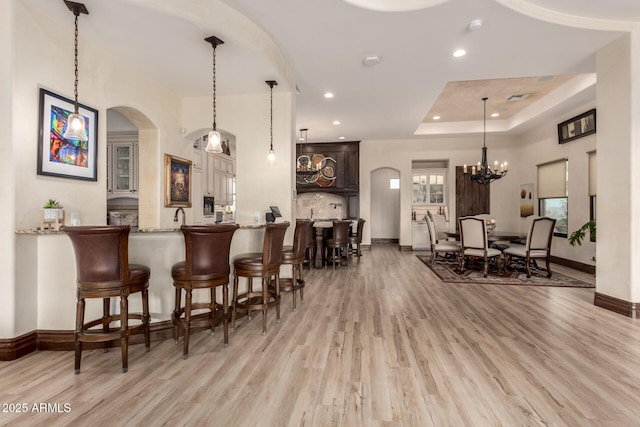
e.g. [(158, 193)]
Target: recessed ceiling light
[(474, 25), (460, 52), (371, 60), (341, 137), (436, 117), (495, 114), (336, 122), (328, 95)]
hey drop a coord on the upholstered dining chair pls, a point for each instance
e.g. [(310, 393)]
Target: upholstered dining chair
[(355, 239), (474, 242), (538, 244), (446, 247), (103, 271), (206, 267)]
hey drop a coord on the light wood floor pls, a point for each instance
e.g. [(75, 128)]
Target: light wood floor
[(382, 342)]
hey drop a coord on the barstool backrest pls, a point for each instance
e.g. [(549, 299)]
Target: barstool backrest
[(102, 254), (273, 241), (359, 228), (303, 235), (207, 248), (341, 232)]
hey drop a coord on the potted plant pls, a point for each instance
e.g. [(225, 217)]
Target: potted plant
[(576, 238), (53, 212)]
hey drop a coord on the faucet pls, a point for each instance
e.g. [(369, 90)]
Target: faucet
[(175, 217)]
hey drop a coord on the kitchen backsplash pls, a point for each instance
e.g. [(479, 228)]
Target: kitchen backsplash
[(321, 206)]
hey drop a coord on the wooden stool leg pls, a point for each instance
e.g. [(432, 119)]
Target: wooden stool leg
[(187, 323), (176, 313), (278, 297), (124, 331), (79, 330), (212, 307), (234, 302), (106, 314), (302, 283), (265, 296), (225, 313), (146, 319)]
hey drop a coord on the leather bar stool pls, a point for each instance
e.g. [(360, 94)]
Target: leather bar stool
[(294, 256), (206, 266), (103, 271), (356, 239), (338, 244), (265, 265)]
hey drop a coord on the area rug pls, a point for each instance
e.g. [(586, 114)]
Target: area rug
[(446, 270)]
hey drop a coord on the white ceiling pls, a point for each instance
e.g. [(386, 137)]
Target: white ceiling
[(325, 41)]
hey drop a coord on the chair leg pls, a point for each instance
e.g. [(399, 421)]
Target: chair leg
[(79, 330), (124, 331), (176, 313), (265, 296), (278, 297), (212, 308), (302, 284), (528, 266), (106, 314), (485, 270), (548, 268)]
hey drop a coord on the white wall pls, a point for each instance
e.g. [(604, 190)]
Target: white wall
[(385, 205)]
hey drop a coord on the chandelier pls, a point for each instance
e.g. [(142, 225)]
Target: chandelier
[(482, 173)]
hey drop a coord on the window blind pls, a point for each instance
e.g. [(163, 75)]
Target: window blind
[(592, 173), (552, 180)]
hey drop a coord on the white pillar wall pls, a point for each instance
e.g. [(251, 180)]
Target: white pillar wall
[(618, 139)]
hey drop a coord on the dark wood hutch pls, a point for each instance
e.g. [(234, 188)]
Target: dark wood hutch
[(330, 167)]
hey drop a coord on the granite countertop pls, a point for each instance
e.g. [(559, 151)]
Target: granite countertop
[(37, 231)]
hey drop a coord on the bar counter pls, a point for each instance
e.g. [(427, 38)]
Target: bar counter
[(47, 270)]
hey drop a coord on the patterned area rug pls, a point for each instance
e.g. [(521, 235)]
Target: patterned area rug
[(446, 270)]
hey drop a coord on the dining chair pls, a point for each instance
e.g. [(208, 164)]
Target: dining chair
[(447, 247), (474, 243), (538, 244)]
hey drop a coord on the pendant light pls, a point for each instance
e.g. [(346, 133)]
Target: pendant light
[(271, 84), (303, 139), (483, 173), (75, 122), (214, 144)]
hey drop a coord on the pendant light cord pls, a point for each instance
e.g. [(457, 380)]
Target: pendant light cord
[(214, 87), (75, 62), (271, 113)]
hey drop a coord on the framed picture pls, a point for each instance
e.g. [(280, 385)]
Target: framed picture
[(62, 157), (177, 182), (526, 200), (577, 127)]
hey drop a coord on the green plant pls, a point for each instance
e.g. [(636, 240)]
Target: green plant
[(52, 204), (578, 236)]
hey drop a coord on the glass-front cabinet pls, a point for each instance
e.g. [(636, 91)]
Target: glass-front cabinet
[(122, 174), (429, 187)]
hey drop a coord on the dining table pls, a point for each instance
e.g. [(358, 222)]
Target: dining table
[(494, 235)]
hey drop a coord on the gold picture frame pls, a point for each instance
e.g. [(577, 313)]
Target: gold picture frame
[(177, 181)]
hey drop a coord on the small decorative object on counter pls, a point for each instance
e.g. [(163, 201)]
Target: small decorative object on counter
[(52, 215)]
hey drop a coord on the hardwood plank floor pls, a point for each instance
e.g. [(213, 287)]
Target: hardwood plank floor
[(381, 343)]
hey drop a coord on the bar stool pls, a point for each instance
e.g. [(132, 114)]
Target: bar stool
[(206, 266), (265, 265), (339, 242), (356, 239), (294, 256), (103, 271)]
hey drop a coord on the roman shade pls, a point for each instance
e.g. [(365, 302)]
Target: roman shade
[(552, 179)]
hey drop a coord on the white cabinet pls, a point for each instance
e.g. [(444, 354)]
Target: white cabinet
[(429, 187), (224, 171), (420, 235), (122, 165)]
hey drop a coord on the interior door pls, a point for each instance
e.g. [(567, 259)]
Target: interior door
[(472, 198)]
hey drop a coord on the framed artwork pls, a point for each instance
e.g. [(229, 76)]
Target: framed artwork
[(526, 200), (62, 157), (177, 182), (577, 127)]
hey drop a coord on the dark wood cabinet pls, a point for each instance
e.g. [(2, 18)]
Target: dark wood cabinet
[(472, 198), (330, 167)]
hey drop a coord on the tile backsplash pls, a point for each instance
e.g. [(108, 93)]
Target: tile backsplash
[(321, 206)]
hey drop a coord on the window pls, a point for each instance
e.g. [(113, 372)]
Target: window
[(552, 194), (394, 184), (429, 187)]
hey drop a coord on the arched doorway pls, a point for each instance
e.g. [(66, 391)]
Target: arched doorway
[(385, 206)]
